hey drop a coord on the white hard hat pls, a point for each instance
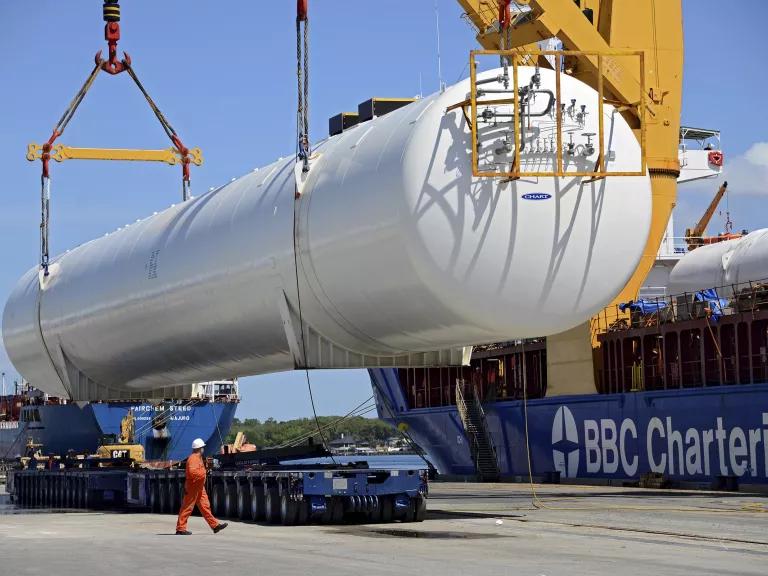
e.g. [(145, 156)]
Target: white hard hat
[(197, 443)]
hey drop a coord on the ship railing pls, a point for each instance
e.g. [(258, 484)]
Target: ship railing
[(725, 300)]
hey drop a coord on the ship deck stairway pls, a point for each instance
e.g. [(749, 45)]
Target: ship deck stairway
[(473, 419)]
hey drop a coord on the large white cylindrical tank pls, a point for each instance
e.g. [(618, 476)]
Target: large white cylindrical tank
[(725, 264), (400, 251)]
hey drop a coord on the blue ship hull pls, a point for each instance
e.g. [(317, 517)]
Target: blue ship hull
[(689, 435), (165, 431)]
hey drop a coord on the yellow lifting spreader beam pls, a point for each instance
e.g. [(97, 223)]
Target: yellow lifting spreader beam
[(61, 152)]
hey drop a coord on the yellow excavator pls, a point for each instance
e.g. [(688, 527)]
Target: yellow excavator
[(125, 446), (649, 96)]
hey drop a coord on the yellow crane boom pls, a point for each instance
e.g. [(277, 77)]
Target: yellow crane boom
[(693, 235), (654, 27)]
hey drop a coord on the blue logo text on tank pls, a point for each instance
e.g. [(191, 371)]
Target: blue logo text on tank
[(537, 196)]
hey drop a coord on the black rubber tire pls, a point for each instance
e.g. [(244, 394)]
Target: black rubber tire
[(35, 491), (43, 491), (163, 494), (257, 502), (303, 515), (154, 496), (59, 502), (289, 510), (70, 493), (271, 503), (173, 496), (244, 501), (86, 497), (230, 500), (180, 491), (374, 517), (410, 512), (336, 509), (326, 516), (21, 490), (217, 499), (419, 508), (386, 509)]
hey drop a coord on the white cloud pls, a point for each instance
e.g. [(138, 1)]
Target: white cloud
[(758, 154), (746, 177), (747, 174)]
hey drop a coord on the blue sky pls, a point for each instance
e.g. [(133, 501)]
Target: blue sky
[(224, 74)]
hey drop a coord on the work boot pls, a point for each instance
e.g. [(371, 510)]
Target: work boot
[(183, 533), (220, 527)]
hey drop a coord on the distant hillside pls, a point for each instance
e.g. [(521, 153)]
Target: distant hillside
[(271, 433)]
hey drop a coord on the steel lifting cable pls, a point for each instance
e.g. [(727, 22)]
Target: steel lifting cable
[(302, 79), (303, 151), (163, 418), (538, 503), (45, 178), (170, 132), (403, 432), (358, 410)]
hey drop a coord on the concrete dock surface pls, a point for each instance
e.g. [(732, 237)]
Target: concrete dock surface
[(472, 529)]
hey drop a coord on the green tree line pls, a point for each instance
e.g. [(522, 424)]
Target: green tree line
[(271, 433)]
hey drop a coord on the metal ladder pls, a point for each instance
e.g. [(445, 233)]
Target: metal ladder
[(480, 444)]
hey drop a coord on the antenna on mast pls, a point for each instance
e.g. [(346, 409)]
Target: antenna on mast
[(439, 63)]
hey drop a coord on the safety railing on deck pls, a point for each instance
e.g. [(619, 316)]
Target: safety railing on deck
[(712, 303)]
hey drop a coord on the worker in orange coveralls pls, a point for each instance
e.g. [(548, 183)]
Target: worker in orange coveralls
[(194, 493)]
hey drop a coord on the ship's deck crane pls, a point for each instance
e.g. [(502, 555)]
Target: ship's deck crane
[(587, 28), (694, 237)]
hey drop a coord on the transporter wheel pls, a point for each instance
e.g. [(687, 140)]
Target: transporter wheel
[(334, 511), (21, 490), (58, 500), (162, 492), (386, 509), (47, 491), (258, 505), (70, 492), (53, 488), (271, 503), (173, 496), (40, 492), (74, 495), (86, 494), (374, 517), (179, 491), (217, 499), (244, 501), (154, 496), (303, 515), (289, 510), (35, 491), (419, 508), (230, 499)]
